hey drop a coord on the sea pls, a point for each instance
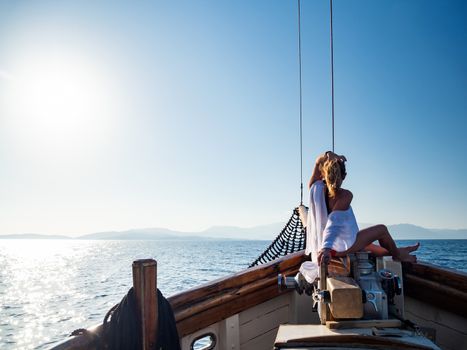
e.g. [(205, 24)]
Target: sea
[(48, 288)]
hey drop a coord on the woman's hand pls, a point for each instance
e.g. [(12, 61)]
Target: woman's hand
[(324, 256), (331, 156)]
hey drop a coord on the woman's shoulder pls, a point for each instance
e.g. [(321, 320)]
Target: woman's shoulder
[(343, 200), (345, 194)]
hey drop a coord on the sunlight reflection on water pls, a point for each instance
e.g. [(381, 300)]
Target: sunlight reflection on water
[(48, 288), (39, 287)]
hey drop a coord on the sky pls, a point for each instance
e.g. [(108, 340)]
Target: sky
[(185, 115)]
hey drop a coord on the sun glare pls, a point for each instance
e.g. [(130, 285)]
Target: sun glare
[(58, 101)]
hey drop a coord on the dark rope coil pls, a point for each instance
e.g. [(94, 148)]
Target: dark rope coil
[(122, 326)]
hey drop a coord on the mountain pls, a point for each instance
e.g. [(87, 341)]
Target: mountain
[(33, 236), (409, 231), (266, 232), (399, 231), (142, 234), (446, 233), (263, 232)]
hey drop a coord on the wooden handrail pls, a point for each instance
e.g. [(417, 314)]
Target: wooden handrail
[(433, 284), (446, 276), (200, 307), (237, 280), (85, 341)]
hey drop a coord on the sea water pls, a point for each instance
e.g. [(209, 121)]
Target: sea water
[(48, 288)]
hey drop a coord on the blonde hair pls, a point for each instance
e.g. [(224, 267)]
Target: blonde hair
[(332, 173)]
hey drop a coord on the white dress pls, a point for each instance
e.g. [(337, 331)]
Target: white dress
[(337, 231)]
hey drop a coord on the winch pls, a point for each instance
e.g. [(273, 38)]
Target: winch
[(356, 287)]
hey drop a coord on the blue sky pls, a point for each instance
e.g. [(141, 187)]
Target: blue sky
[(117, 115)]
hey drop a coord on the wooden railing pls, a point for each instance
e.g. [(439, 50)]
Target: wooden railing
[(443, 287), (200, 307)]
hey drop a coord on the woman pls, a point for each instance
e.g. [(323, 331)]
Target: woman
[(332, 222)]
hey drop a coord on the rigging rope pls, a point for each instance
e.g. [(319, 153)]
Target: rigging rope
[(300, 83), (293, 237), (332, 78)]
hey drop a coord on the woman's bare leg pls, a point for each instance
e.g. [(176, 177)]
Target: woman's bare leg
[(380, 233), (377, 250)]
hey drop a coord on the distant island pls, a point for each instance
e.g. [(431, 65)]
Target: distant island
[(264, 232)]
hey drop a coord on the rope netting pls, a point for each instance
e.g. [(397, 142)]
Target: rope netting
[(291, 239)]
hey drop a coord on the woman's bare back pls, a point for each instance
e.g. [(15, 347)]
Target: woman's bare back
[(341, 201)]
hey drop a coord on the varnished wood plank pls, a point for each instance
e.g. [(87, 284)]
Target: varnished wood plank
[(145, 286), (437, 294), (87, 341), (447, 277), (238, 280)]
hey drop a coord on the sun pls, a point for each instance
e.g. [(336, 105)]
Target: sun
[(57, 100)]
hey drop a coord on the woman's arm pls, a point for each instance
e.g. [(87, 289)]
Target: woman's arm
[(316, 174)]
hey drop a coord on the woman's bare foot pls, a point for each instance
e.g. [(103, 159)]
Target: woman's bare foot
[(410, 248), (404, 253)]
